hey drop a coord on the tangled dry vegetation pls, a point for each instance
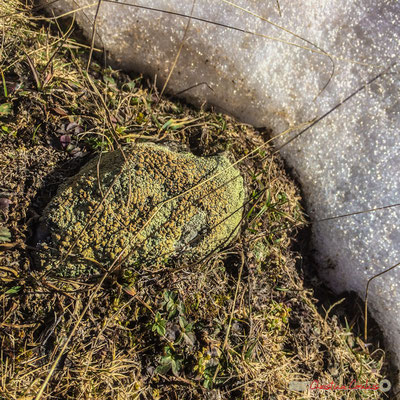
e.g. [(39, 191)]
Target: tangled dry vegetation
[(239, 325)]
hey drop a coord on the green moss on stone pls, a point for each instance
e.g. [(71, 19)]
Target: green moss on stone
[(138, 212)]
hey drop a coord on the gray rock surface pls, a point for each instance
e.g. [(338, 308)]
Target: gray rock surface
[(348, 162)]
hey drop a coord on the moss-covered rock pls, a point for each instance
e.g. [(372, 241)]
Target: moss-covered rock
[(156, 204)]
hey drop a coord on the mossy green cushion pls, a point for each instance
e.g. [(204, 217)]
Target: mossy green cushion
[(163, 204)]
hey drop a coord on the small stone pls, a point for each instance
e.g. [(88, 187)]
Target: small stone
[(163, 204)]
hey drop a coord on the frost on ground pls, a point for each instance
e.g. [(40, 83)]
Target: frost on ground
[(348, 162)]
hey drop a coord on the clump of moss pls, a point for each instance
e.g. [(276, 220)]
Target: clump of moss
[(146, 204)]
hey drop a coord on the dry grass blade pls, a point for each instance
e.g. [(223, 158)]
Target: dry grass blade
[(366, 296), (72, 333), (350, 96), (34, 72), (245, 31), (232, 313), (67, 13), (291, 33), (358, 212), (179, 50), (93, 34)]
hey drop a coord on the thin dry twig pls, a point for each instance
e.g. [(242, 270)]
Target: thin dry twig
[(93, 35), (366, 295), (179, 50), (228, 329)]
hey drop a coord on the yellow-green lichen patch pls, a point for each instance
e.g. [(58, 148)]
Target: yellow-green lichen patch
[(153, 202)]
